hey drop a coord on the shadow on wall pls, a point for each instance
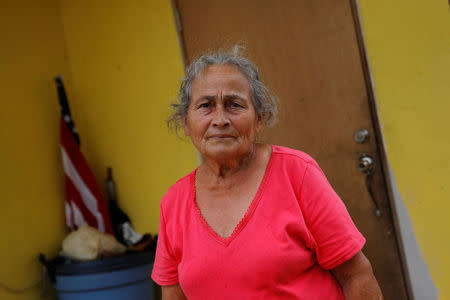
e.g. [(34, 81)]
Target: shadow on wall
[(421, 283)]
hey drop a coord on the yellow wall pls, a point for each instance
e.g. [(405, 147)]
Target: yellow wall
[(125, 67), (31, 176), (408, 46), (121, 64)]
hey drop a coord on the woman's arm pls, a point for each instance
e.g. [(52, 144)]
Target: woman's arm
[(357, 280), (172, 292)]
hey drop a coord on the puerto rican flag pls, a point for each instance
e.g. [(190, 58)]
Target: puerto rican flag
[(84, 202)]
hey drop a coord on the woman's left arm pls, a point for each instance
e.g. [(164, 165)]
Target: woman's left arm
[(357, 280)]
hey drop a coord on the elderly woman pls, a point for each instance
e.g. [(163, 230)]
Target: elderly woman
[(253, 221)]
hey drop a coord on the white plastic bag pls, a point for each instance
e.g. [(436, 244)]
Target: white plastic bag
[(86, 243)]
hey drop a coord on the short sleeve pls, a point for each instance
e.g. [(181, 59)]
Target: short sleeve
[(165, 268), (335, 237)]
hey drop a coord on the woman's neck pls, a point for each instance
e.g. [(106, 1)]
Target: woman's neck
[(221, 169)]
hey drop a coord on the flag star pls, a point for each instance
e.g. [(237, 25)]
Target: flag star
[(67, 118)]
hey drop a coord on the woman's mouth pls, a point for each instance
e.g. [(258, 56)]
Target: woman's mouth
[(221, 136)]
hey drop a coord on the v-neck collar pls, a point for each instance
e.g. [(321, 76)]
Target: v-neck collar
[(248, 214)]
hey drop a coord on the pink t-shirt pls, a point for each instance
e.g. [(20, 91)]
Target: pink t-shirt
[(295, 230)]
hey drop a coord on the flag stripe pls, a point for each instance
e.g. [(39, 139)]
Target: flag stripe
[(74, 196), (78, 160), (69, 218), (88, 199), (77, 215), (80, 165)]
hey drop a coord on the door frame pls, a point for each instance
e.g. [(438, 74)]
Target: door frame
[(373, 108), (379, 140)]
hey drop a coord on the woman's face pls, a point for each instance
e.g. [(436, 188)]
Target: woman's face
[(221, 121)]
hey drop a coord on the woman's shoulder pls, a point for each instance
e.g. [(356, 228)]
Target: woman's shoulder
[(181, 188), (292, 154)]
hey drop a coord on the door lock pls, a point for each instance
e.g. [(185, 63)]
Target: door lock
[(366, 164)]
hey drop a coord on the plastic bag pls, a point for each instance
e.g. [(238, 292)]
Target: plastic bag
[(87, 243)]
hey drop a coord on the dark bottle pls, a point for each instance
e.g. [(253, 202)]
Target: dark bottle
[(121, 223)]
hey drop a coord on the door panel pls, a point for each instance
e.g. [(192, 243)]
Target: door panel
[(308, 55)]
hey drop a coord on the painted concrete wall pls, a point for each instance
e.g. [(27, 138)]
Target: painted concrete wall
[(31, 177), (125, 66), (408, 44), (121, 64)]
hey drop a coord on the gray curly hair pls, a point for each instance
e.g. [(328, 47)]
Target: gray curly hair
[(264, 101)]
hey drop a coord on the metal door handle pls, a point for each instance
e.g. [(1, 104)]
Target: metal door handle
[(366, 164)]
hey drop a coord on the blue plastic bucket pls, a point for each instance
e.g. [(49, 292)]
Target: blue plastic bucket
[(124, 277)]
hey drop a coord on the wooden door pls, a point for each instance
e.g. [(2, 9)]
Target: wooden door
[(307, 52)]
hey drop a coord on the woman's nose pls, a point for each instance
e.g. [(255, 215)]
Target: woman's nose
[(220, 118)]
